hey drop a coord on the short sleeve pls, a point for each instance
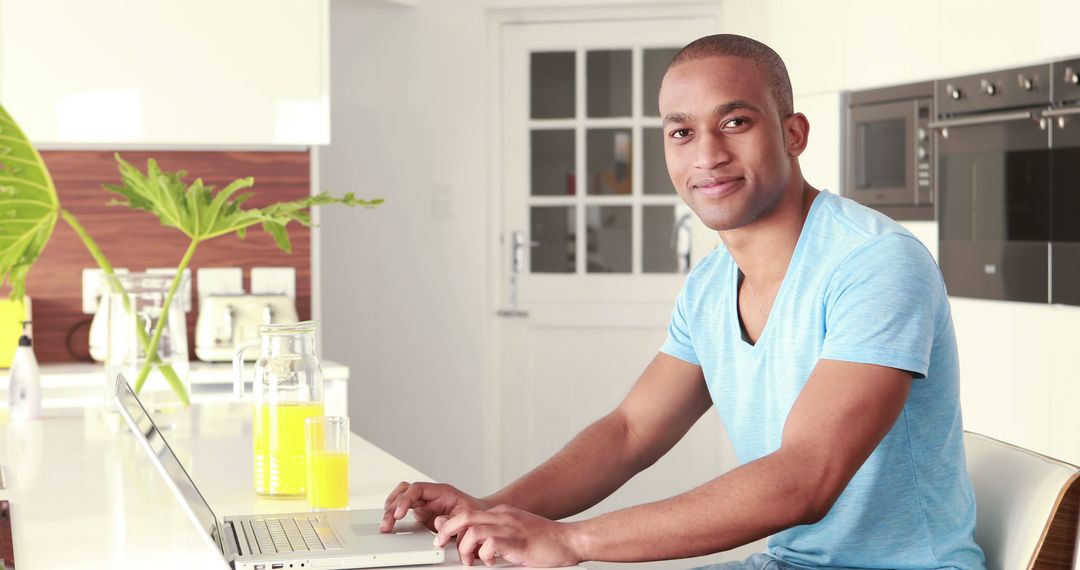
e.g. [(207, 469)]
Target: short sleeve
[(883, 304), (679, 343)]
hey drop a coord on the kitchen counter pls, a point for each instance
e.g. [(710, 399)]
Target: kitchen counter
[(82, 384), (85, 495)]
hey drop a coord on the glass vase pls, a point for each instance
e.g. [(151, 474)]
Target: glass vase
[(134, 313)]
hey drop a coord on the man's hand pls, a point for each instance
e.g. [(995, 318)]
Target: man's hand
[(519, 537), (427, 501)]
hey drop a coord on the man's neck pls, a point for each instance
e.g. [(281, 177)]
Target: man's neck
[(763, 249)]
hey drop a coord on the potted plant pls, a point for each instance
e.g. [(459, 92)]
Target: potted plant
[(30, 208)]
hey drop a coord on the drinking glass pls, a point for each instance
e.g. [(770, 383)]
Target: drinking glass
[(327, 440)]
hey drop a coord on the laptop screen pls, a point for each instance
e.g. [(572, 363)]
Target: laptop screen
[(166, 461)]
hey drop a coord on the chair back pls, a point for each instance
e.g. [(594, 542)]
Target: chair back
[(1027, 505)]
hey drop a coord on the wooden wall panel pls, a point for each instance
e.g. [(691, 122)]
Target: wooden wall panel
[(136, 240)]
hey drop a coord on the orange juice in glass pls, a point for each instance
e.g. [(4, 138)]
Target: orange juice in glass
[(327, 462)]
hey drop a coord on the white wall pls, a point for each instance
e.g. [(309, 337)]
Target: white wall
[(404, 287)]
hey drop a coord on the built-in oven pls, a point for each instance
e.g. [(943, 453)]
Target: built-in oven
[(994, 184), (889, 150), (1064, 124)]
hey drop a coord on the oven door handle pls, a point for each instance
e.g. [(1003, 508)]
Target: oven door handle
[(1061, 112), (983, 120)]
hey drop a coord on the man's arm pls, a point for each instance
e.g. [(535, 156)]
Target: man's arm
[(664, 403), (840, 416)]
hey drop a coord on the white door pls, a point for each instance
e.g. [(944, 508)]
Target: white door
[(595, 242)]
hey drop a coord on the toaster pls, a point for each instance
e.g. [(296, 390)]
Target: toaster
[(226, 320)]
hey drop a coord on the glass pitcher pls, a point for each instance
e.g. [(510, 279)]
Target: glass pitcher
[(288, 389), (134, 309)]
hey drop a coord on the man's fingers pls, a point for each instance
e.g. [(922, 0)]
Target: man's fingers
[(469, 544), (457, 525), (401, 487), (422, 513), (387, 523), (489, 551)]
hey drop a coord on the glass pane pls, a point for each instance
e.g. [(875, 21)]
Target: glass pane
[(552, 156), (607, 156), (659, 240), (655, 178), (608, 245), (654, 64), (607, 84), (551, 81), (880, 155), (552, 229)]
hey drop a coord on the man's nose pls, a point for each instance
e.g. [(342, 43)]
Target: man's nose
[(712, 151)]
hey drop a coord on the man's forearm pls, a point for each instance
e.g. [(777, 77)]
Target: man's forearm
[(592, 466), (748, 503)]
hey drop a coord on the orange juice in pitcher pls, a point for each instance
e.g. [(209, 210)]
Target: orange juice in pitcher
[(279, 447), (288, 388)]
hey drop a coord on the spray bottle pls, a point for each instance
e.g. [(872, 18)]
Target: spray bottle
[(24, 391)]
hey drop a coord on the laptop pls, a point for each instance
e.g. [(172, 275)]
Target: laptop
[(326, 539)]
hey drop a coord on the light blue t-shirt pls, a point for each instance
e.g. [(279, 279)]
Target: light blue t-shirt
[(859, 288)]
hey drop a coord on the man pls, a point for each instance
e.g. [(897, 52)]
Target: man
[(821, 332)]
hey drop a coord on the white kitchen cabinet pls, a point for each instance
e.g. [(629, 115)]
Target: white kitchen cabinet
[(1057, 28), (888, 43), (243, 72), (808, 36), (980, 35)]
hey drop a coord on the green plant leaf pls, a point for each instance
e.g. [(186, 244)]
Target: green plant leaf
[(29, 206), (203, 213)]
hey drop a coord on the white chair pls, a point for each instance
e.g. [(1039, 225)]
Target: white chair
[(1027, 506)]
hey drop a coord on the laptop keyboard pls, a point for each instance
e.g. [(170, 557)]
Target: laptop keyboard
[(290, 534)]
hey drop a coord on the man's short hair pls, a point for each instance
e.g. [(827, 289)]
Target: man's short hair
[(763, 56)]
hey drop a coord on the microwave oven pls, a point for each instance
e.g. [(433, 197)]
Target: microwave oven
[(889, 155)]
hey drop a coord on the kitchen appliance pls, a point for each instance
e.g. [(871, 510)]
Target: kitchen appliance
[(288, 389), (227, 320), (1064, 125), (889, 151), (993, 169)]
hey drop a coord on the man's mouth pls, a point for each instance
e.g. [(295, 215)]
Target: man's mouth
[(715, 187)]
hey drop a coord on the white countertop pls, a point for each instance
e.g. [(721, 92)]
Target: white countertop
[(84, 495), (81, 384)]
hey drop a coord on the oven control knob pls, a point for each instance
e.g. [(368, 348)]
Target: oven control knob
[(989, 88), (920, 134), (954, 92), (1071, 76), (1025, 82), (920, 152)]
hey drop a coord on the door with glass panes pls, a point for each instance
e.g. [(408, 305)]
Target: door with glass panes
[(595, 241)]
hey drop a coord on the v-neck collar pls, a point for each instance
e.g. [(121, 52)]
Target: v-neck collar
[(735, 323)]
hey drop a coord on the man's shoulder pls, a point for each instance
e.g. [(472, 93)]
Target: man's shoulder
[(858, 220), (845, 229)]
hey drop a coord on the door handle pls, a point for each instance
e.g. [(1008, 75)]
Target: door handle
[(983, 120), (517, 263)]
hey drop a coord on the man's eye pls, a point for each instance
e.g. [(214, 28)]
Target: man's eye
[(680, 133), (735, 123)]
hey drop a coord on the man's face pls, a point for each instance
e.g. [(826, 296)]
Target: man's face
[(723, 140)]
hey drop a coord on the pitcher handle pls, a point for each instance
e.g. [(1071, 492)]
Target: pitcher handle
[(238, 367)]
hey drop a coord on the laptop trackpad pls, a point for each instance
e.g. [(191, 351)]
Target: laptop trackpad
[(364, 529)]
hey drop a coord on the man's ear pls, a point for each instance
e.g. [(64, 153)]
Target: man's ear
[(796, 134)]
